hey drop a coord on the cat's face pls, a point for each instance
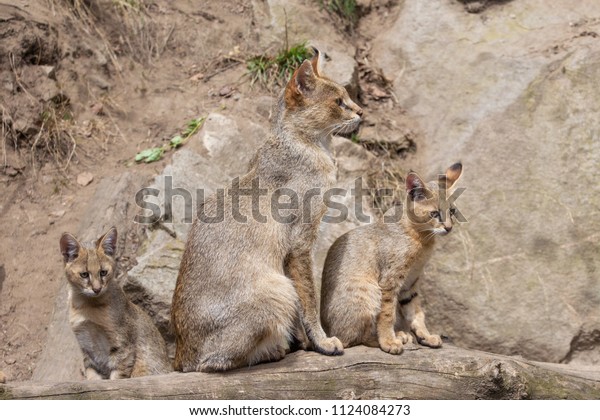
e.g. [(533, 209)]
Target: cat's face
[(89, 268), (318, 103), (428, 207)]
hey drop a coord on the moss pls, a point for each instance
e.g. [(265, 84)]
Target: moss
[(553, 386)]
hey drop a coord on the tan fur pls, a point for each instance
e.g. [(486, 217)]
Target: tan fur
[(117, 338), (372, 268), (245, 289)]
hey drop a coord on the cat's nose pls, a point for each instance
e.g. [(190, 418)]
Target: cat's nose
[(448, 228), (96, 290), (359, 112)]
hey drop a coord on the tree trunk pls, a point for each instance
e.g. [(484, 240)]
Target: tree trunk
[(361, 373)]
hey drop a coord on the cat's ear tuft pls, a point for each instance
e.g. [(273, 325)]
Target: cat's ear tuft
[(452, 174), (316, 61), (69, 247), (108, 242), (415, 187)]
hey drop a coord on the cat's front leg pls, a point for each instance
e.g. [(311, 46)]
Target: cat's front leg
[(122, 360), (299, 268), (415, 317), (386, 319), (90, 372)]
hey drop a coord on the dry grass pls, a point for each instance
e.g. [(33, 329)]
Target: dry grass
[(386, 185), (123, 28), (55, 140)]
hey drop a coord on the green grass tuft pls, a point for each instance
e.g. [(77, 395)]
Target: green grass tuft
[(276, 71), (345, 9)]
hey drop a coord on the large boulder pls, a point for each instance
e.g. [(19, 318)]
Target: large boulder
[(221, 150), (513, 93)]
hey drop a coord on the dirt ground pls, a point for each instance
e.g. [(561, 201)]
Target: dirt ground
[(108, 80)]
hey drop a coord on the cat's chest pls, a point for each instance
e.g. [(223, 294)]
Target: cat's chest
[(95, 336), (416, 269)]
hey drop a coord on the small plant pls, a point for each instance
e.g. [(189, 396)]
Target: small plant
[(289, 59), (258, 69), (345, 9), (156, 153), (271, 71)]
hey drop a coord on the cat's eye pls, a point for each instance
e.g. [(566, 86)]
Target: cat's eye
[(339, 102), (435, 214), (103, 273), (84, 274)]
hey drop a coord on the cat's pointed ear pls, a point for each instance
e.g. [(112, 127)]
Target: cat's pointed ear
[(69, 247), (304, 79), (108, 242), (452, 174), (415, 187), (316, 61)]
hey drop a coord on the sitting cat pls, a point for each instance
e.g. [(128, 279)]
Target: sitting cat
[(245, 288), (371, 272), (117, 338)]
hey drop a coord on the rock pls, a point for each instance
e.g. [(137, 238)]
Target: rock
[(85, 178), (2, 378), (57, 214), (230, 143), (276, 17), (151, 282), (517, 101), (339, 64), (226, 91), (197, 77), (49, 71)]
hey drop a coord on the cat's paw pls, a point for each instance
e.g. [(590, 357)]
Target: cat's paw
[(405, 337), (279, 353), (330, 346), (433, 341), (215, 363), (92, 375), (115, 374), (391, 345)]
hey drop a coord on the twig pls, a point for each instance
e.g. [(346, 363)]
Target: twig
[(166, 41), (37, 138), (221, 70)]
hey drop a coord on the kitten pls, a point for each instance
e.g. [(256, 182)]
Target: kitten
[(371, 273), (117, 338)]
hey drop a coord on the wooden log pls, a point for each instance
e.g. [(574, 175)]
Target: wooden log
[(361, 373)]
